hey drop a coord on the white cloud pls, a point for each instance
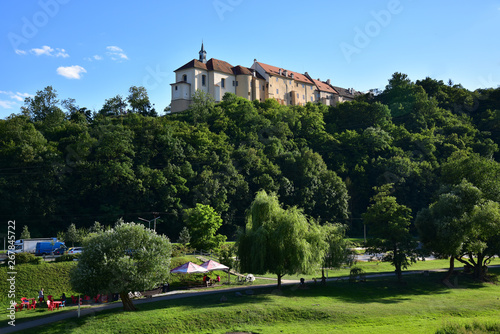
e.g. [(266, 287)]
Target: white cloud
[(71, 72), (45, 50), (7, 104), (17, 97), (20, 96), (114, 49), (94, 57), (48, 51), (21, 52), (61, 53), (116, 53)]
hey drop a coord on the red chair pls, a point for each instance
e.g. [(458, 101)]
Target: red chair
[(18, 307), (32, 306), (49, 297), (50, 306), (25, 302), (87, 299), (73, 299), (97, 299)]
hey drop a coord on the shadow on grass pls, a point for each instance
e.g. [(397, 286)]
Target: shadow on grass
[(260, 306), (386, 290)]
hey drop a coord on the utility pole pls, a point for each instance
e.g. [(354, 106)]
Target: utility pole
[(149, 221)]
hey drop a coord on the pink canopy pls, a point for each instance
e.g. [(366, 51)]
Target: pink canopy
[(212, 265), (188, 268)]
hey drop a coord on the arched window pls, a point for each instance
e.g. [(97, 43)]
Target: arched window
[(184, 78)]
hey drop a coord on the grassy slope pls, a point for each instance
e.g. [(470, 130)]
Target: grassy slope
[(422, 305), (51, 276)]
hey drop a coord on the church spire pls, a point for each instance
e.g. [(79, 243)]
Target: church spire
[(203, 54)]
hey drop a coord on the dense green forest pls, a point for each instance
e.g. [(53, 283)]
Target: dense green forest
[(61, 163)]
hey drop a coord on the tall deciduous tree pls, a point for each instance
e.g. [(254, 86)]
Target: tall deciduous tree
[(44, 106), (338, 247), (389, 224), (279, 241), (203, 223), (114, 106), (138, 99), (127, 258), (72, 235), (463, 225)]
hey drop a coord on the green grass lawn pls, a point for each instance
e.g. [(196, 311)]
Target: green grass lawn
[(420, 305), (376, 267)]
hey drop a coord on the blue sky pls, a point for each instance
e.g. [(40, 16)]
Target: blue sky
[(94, 50)]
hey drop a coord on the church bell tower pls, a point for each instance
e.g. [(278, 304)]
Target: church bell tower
[(203, 54)]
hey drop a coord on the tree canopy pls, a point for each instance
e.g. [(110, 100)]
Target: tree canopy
[(126, 258), (389, 224), (63, 163), (279, 241), (203, 223)]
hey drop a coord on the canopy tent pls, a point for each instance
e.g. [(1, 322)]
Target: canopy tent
[(188, 268), (212, 265)]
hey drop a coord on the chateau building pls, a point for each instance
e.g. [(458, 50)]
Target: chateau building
[(259, 82)]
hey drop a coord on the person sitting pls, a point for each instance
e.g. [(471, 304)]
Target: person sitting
[(218, 279), (63, 299)]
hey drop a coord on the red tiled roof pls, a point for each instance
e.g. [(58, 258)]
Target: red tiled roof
[(238, 70), (219, 65), (324, 87), (273, 70), (211, 65), (193, 63)]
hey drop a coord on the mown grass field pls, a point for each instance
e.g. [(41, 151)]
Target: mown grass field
[(420, 305), (54, 278)]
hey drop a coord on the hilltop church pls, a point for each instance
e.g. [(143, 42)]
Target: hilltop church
[(259, 82)]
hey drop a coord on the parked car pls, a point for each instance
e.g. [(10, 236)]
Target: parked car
[(75, 250), (60, 250)]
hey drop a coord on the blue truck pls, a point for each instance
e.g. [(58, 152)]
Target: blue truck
[(45, 248)]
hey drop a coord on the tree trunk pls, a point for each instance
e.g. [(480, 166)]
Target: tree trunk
[(279, 281), (127, 302), (323, 278), (397, 264), (479, 268), (446, 278)]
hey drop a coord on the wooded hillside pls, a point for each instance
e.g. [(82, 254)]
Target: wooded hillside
[(62, 164)]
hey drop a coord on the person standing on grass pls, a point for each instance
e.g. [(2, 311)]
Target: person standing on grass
[(40, 295)]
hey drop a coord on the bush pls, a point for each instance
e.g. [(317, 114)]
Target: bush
[(66, 257), (179, 250), (357, 273), (27, 258)]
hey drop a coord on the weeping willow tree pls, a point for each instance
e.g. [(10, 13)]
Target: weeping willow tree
[(338, 251), (279, 241)]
